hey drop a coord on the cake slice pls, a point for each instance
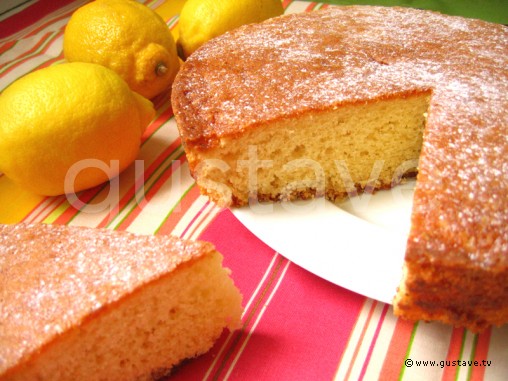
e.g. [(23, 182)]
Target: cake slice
[(95, 304)]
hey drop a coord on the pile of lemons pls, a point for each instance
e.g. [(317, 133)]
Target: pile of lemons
[(56, 122)]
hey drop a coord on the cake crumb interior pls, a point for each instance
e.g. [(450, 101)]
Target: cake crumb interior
[(333, 153), (177, 316)]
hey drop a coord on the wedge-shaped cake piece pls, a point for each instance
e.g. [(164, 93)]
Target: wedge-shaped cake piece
[(95, 304)]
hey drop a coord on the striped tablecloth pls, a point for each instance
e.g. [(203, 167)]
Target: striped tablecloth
[(296, 326)]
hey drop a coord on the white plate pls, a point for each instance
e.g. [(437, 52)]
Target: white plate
[(359, 245)]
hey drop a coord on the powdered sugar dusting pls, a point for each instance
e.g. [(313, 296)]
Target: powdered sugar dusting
[(53, 277), (319, 60)]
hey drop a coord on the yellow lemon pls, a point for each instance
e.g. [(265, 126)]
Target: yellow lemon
[(69, 127), (129, 38), (202, 20)]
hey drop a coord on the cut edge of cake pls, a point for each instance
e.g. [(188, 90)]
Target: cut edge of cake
[(274, 72), (288, 158), (141, 334), (422, 295)]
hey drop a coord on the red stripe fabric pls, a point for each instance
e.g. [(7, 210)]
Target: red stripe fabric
[(30, 15), (374, 340), (454, 350), (396, 354), (306, 304), (481, 354)]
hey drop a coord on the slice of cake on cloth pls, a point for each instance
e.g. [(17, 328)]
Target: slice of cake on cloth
[(95, 304)]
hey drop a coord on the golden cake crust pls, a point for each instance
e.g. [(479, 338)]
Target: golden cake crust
[(313, 62), (95, 269)]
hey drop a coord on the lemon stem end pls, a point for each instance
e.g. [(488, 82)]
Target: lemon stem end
[(161, 69)]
